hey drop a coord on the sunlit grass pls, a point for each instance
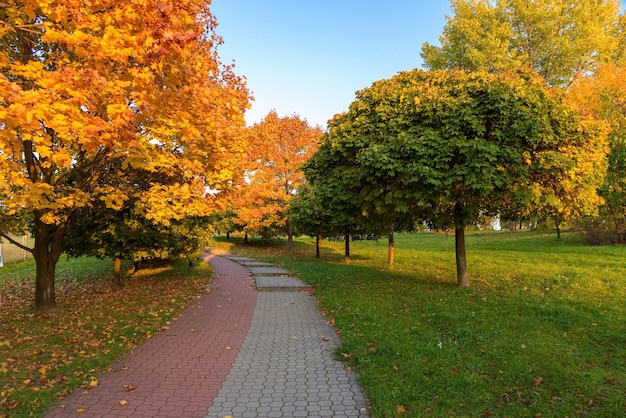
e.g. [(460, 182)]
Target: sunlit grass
[(540, 331)]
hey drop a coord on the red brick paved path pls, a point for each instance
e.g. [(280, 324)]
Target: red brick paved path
[(178, 372)]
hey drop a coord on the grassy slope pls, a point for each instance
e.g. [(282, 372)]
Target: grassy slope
[(541, 330)]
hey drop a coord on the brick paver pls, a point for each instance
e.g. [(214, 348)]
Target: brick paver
[(177, 373)]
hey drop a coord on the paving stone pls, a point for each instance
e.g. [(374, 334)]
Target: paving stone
[(289, 335), (280, 284), (167, 367), (269, 271), (255, 263)]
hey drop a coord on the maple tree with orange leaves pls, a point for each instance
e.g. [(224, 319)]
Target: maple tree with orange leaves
[(278, 147), (85, 85)]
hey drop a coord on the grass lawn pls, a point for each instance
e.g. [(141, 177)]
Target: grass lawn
[(45, 357), (540, 332)]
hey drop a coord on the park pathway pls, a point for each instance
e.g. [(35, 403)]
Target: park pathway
[(235, 352)]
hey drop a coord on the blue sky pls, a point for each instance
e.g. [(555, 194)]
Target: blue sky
[(309, 57)]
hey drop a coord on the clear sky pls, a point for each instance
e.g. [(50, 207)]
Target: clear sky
[(309, 57)]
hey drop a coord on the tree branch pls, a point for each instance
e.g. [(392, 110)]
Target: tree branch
[(17, 244)]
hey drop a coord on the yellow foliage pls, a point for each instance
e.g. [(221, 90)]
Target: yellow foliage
[(107, 81)]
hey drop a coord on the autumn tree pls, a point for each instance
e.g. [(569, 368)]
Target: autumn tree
[(558, 39), (278, 147), (125, 232), (456, 144), (83, 85), (603, 94)]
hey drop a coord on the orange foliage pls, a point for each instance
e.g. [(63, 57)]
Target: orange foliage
[(278, 147), (106, 79), (89, 86)]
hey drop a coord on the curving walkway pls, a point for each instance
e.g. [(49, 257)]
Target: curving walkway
[(234, 352)]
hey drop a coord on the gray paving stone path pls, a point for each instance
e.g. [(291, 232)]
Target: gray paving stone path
[(285, 367)]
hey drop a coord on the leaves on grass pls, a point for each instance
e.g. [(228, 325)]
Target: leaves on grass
[(59, 353)]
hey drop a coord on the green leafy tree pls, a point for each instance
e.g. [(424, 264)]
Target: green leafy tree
[(314, 217), (558, 39), (454, 144)]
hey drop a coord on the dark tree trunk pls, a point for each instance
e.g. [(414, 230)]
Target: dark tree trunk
[(227, 235), (245, 238), (117, 267), (317, 246), (47, 250), (459, 240), (289, 235), (347, 253), (558, 228), (512, 226), (390, 247), (461, 261)]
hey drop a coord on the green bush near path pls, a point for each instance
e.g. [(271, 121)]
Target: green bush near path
[(540, 332)]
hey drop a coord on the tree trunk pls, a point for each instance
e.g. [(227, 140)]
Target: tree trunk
[(47, 250), (459, 241), (390, 247), (289, 236), (227, 235), (461, 261), (117, 271), (512, 226), (347, 253), (317, 246), (558, 228), (245, 237)]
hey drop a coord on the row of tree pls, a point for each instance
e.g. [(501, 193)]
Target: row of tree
[(520, 114)]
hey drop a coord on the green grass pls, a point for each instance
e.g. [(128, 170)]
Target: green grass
[(44, 357), (541, 331)]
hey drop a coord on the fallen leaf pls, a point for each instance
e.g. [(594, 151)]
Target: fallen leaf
[(123, 402), (130, 388), (80, 410), (401, 409), (538, 380), (93, 383)]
